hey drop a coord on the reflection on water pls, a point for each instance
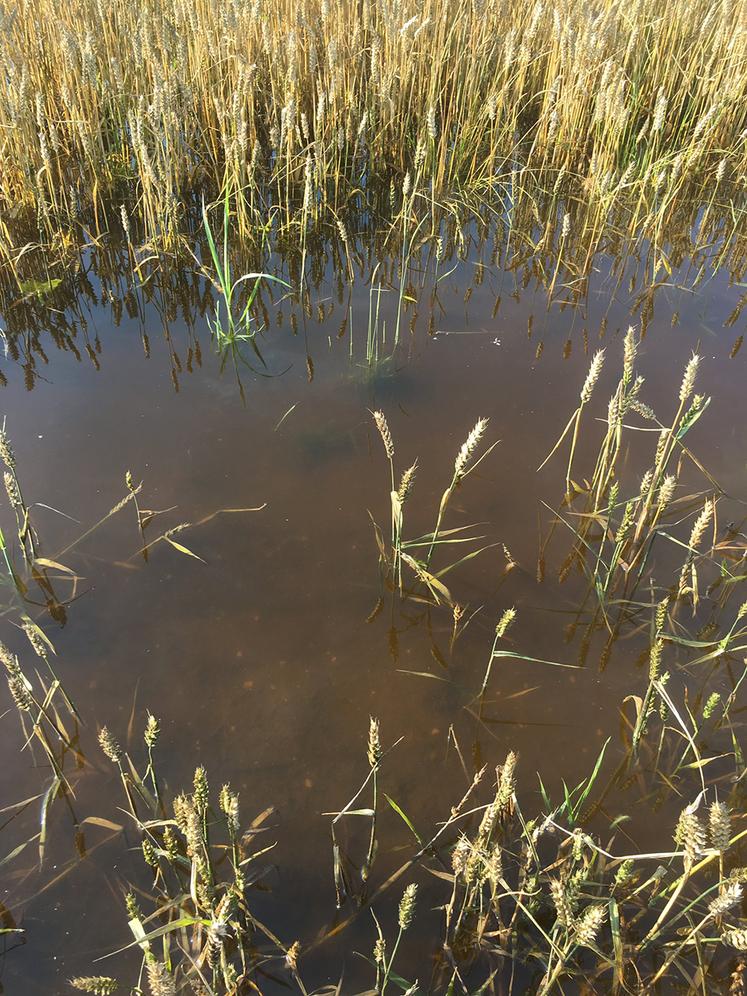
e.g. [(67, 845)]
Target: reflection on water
[(264, 661)]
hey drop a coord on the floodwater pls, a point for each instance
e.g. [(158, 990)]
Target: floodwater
[(264, 659)]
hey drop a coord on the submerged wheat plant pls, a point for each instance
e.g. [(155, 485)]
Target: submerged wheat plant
[(530, 903), (199, 886), (464, 464), (409, 551), (573, 423), (229, 327), (616, 558)]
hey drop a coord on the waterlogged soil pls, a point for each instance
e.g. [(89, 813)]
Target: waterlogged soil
[(264, 659)]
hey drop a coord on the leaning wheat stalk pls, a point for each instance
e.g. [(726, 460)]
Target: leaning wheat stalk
[(463, 465), (573, 422)]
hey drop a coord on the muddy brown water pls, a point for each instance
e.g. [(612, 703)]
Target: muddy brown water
[(265, 662)]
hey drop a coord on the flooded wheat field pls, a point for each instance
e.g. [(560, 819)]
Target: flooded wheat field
[(266, 632), (372, 521)]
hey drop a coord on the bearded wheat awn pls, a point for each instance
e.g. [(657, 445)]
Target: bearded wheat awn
[(396, 503), (696, 536), (589, 924), (100, 985), (501, 629), (468, 449), (405, 916), (587, 390), (665, 448), (719, 826), (463, 465), (398, 500)]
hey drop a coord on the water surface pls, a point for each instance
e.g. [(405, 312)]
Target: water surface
[(265, 661)]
